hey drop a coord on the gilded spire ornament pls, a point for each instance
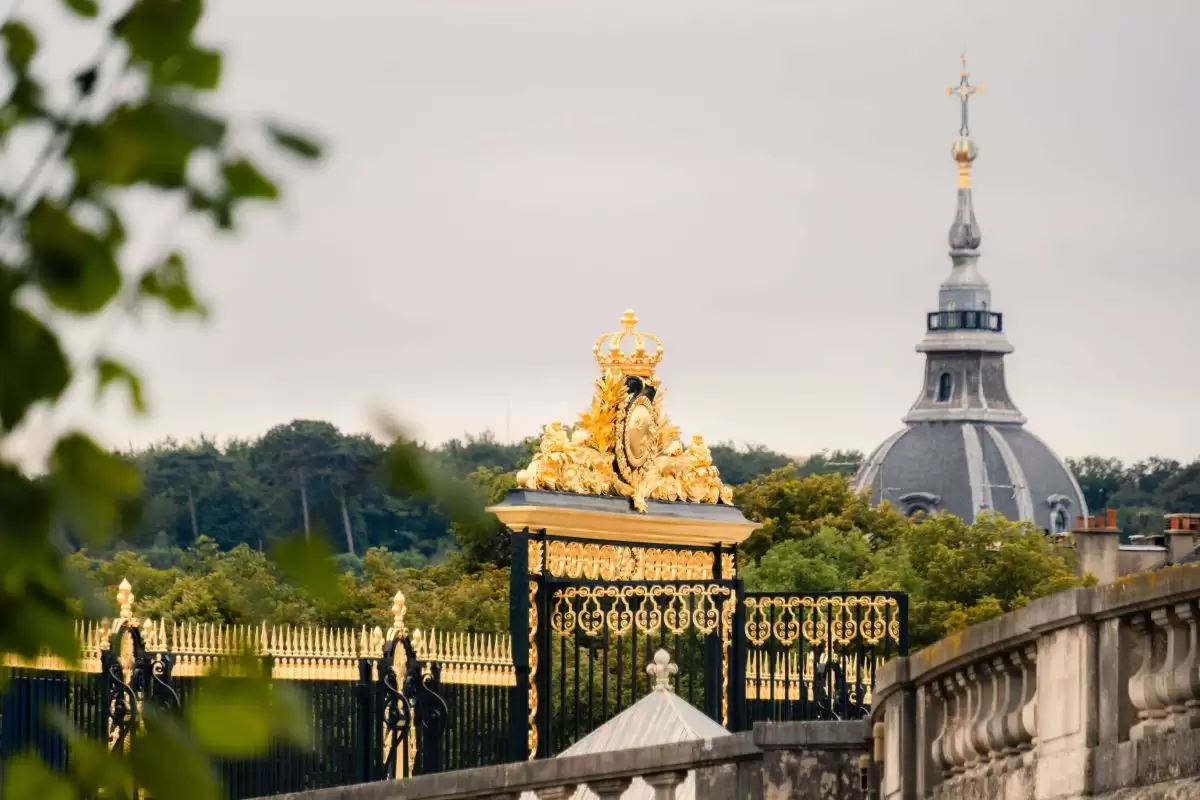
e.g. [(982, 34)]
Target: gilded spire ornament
[(964, 92), (965, 235), (624, 445)]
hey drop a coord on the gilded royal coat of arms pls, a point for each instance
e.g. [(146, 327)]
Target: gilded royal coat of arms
[(624, 444)]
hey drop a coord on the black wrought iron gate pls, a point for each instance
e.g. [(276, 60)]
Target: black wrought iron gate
[(594, 614), (588, 616)]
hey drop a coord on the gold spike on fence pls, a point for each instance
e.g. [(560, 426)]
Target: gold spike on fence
[(296, 652), (471, 659)]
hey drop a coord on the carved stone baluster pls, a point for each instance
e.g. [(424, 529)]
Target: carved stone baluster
[(985, 707), (1027, 658), (609, 788), (1142, 692), (963, 752), (664, 784), (1002, 738), (937, 748), (1187, 674), (1169, 694), (955, 706)]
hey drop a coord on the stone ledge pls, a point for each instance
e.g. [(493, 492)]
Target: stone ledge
[(844, 734), (1128, 595), (530, 775)]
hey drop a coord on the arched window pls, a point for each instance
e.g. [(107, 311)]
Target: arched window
[(916, 511), (945, 388)]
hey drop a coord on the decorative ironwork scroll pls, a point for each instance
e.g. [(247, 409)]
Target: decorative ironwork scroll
[(648, 609), (533, 670), (607, 562), (821, 618), (601, 635), (813, 656)]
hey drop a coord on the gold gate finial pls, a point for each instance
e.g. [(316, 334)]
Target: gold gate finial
[(399, 608)]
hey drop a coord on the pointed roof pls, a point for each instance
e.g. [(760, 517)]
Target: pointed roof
[(661, 717)]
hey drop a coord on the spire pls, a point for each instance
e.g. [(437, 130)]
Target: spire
[(964, 233)]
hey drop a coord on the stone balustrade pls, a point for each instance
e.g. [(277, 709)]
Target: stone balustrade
[(804, 760), (1083, 693)]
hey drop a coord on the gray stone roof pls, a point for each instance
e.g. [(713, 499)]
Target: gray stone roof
[(968, 467)]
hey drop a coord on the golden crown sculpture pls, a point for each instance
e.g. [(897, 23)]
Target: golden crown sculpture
[(639, 362), (624, 445)]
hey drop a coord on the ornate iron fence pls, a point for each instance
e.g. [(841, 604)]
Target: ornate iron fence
[(588, 618), (373, 699), (814, 656)]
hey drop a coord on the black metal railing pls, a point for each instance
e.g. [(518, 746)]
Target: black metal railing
[(964, 321), (813, 656), (376, 725)]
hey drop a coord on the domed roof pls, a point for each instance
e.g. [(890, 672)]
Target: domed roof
[(968, 467)]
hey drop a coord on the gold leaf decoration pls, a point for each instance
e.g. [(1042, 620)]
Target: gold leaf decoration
[(624, 445)]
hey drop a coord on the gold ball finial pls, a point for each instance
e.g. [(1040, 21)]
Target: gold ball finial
[(639, 362), (399, 608)]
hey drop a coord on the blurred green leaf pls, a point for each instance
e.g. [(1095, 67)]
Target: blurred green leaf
[(74, 267), (20, 45), (33, 366), (91, 486), (26, 505), (202, 128), (84, 8), (90, 763), (157, 30), (246, 182), (309, 563), (26, 776), (240, 713), (168, 764), (295, 143), (408, 471), (196, 67), (168, 282), (143, 143), (111, 371), (232, 716)]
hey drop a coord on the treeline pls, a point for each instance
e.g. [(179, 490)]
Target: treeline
[(1141, 492), (309, 477)]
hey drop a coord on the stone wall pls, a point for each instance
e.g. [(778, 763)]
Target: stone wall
[(1087, 693), (801, 760)]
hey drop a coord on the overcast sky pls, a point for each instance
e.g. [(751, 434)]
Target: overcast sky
[(768, 184)]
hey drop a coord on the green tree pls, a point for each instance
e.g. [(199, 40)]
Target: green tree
[(827, 560), (790, 507), (1099, 478), (957, 574), (739, 465)]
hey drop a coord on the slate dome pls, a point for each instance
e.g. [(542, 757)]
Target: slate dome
[(965, 448)]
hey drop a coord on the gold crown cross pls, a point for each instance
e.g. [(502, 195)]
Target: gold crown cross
[(639, 362)]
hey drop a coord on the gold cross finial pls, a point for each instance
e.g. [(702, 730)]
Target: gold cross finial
[(964, 90)]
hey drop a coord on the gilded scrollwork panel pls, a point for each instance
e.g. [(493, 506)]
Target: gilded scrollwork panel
[(607, 562), (842, 620), (594, 610)]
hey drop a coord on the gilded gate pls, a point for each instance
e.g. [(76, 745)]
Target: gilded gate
[(625, 540)]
